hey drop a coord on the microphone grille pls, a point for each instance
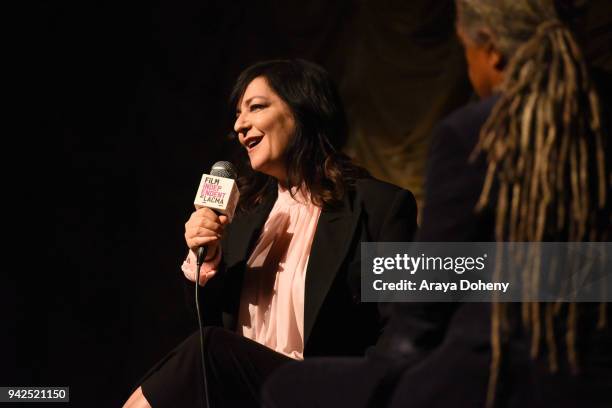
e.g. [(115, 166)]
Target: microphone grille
[(224, 169)]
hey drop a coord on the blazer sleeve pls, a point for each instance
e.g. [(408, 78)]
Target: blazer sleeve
[(399, 223), (391, 214)]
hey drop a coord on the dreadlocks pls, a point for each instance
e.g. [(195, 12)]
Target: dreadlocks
[(545, 151)]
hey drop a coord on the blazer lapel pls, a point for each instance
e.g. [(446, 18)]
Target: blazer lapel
[(245, 231), (332, 240)]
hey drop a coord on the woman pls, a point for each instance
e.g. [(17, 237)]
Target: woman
[(534, 86), (283, 277)]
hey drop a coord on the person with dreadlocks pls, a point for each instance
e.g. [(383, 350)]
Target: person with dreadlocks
[(545, 152), (528, 162)]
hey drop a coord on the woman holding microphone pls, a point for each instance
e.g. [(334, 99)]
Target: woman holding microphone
[(281, 282)]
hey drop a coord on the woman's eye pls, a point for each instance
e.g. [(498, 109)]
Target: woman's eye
[(256, 106)]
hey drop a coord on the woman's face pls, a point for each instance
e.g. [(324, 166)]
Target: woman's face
[(265, 126)]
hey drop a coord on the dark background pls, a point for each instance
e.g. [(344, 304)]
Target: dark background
[(126, 108)]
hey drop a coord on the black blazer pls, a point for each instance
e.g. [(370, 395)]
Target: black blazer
[(335, 321), (458, 335)]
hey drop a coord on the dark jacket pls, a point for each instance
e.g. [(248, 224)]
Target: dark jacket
[(453, 183), (456, 371), (335, 321)]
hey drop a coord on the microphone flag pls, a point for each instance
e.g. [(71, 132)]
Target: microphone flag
[(217, 193)]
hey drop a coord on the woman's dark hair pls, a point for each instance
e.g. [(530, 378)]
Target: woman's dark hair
[(313, 158)]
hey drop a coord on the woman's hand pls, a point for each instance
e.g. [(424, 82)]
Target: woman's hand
[(205, 228)]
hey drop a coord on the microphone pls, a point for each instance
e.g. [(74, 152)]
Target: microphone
[(219, 192)]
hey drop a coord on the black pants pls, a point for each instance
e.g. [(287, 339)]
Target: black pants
[(236, 369), (333, 382)]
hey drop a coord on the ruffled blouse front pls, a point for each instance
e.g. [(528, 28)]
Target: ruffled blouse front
[(272, 300)]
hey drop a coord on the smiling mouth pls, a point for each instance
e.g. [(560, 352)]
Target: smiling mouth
[(253, 142)]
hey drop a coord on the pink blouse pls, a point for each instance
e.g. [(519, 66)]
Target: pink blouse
[(272, 300)]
